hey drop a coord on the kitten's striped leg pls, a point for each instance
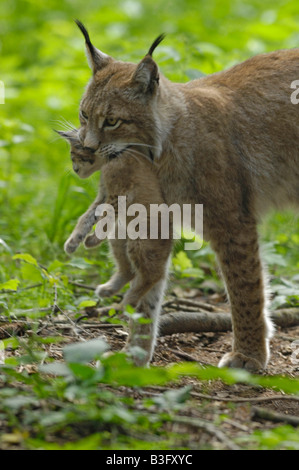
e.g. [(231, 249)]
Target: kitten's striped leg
[(82, 229), (124, 273), (144, 335), (238, 253)]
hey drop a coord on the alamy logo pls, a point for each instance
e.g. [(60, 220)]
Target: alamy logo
[(2, 93), (294, 95), (160, 221)]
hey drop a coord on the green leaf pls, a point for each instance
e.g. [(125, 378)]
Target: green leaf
[(31, 273), (55, 265), (55, 368), (181, 261), (26, 257), (85, 352), (87, 303), (82, 371), (12, 284), (19, 401)]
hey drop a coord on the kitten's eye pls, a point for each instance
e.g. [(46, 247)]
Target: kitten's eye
[(112, 122), (84, 115)]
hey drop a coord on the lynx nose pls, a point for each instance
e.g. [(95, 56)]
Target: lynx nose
[(91, 142), (76, 167)]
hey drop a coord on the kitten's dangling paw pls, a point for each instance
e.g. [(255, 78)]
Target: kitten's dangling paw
[(72, 243), (91, 241), (238, 360), (70, 246)]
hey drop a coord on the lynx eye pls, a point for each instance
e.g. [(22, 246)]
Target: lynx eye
[(112, 123), (84, 115)]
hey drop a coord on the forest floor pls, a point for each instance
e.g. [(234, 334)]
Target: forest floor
[(241, 405), (216, 415)]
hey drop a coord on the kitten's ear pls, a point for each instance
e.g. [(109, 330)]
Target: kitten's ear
[(68, 135), (147, 72), (96, 59)]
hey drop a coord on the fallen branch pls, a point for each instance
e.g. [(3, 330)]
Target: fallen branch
[(184, 322), (174, 303), (206, 426), (82, 286), (187, 357), (269, 415), (157, 388)]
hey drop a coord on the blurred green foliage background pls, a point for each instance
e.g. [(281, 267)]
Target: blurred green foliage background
[(44, 70)]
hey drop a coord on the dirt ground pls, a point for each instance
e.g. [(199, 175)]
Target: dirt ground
[(235, 404), (233, 407)]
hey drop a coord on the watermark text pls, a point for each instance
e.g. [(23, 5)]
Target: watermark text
[(157, 221)]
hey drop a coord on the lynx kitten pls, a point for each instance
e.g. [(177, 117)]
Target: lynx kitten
[(229, 141), (142, 262)]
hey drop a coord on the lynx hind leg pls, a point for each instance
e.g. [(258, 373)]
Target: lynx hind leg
[(146, 294), (142, 338), (238, 254), (92, 240), (124, 272), (149, 259)]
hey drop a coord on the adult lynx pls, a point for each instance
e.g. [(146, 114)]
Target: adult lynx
[(228, 141)]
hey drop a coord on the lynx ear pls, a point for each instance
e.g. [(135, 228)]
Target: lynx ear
[(96, 59), (67, 135), (147, 72)]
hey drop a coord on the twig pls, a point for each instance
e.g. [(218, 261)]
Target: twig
[(33, 286), (200, 423), (83, 286), (232, 399), (37, 309), (207, 426), (191, 303), (186, 356), (264, 413), (55, 306)]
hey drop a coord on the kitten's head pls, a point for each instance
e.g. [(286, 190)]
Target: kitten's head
[(119, 107), (84, 161)]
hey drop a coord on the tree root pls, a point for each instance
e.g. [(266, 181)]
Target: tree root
[(184, 322), (258, 413)]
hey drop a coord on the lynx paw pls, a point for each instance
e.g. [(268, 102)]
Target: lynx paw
[(104, 290), (91, 241), (240, 361), (71, 245)]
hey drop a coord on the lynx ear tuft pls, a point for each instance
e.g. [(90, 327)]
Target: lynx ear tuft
[(96, 59), (156, 44), (147, 72)]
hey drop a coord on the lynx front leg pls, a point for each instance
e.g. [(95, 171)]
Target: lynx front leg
[(238, 253), (82, 229)]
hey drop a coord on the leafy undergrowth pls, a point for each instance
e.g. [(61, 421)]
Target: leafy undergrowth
[(78, 404), (59, 390)]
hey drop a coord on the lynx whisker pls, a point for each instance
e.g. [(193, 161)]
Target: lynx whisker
[(65, 124)]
